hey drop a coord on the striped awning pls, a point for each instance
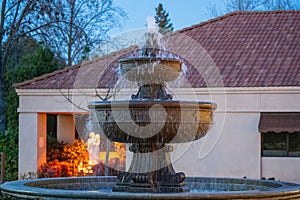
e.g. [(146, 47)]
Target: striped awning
[(279, 122)]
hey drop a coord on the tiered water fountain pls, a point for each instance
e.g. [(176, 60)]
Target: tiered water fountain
[(150, 122)]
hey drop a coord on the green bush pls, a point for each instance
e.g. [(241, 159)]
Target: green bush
[(40, 60), (35, 59), (9, 145)]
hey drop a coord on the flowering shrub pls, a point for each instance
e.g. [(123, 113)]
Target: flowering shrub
[(54, 149), (72, 153), (63, 159), (75, 153), (73, 159), (54, 169)]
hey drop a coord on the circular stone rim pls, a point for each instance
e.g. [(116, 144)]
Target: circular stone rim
[(21, 189)]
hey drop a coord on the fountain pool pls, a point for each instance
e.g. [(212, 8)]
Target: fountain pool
[(101, 188)]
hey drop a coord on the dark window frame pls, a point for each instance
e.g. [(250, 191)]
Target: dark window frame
[(52, 125), (277, 152)]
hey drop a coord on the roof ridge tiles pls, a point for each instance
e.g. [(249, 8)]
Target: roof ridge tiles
[(206, 22), (232, 14)]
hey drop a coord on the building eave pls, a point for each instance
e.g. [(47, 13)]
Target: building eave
[(224, 90)]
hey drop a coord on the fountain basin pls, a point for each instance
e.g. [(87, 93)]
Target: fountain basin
[(153, 121), (146, 70), (101, 188)]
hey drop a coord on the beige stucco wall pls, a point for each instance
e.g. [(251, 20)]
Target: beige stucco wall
[(32, 142), (284, 168), (65, 128), (233, 152), (231, 148)]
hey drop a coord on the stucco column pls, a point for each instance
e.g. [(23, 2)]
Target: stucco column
[(65, 128), (32, 142)]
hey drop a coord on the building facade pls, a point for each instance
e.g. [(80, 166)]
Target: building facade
[(248, 63)]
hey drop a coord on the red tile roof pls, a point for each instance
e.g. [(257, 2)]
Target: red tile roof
[(249, 49)]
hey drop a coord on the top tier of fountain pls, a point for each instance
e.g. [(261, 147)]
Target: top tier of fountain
[(151, 67)]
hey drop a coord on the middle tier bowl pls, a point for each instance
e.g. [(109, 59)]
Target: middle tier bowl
[(153, 121), (146, 70)]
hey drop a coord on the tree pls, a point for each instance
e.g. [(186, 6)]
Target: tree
[(242, 5), (70, 27), (280, 5), (35, 60), (19, 18), (162, 20), (83, 26), (253, 5), (9, 145)]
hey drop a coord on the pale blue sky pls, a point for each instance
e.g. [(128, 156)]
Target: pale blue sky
[(183, 13)]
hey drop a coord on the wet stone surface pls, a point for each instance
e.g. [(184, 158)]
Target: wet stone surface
[(101, 188)]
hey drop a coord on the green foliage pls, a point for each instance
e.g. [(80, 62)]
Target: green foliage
[(85, 53), (35, 60), (162, 20), (9, 145)]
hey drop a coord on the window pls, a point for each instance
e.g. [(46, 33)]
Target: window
[(52, 125), (280, 133), (294, 144), (281, 144)]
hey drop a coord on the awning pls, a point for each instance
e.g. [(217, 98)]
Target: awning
[(279, 122)]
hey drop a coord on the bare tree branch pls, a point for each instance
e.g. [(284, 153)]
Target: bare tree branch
[(252, 5), (107, 97), (67, 97)]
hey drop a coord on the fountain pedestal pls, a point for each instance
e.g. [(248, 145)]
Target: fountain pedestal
[(151, 171)]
